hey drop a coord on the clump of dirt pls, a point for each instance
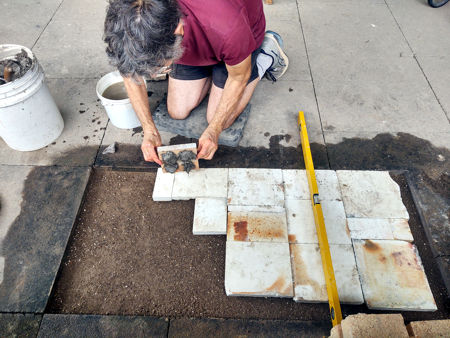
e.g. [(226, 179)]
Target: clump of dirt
[(14, 68)]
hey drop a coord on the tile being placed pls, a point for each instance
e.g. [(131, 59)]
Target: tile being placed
[(163, 186), (255, 187), (189, 151), (258, 269), (392, 276), (295, 184), (328, 185), (371, 194), (302, 228), (309, 281), (200, 183), (257, 226), (210, 216)]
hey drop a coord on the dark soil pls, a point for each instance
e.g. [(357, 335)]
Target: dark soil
[(130, 255), (14, 68)]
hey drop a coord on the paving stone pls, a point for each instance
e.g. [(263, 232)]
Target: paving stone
[(255, 208), (163, 186), (102, 326), (210, 216), (253, 226), (328, 185), (372, 194), (200, 183), (400, 230), (19, 325), (392, 276), (208, 327), (309, 280), (258, 269), (295, 184), (255, 187), (429, 328), (302, 227), (374, 326), (177, 149), (36, 240), (369, 228)]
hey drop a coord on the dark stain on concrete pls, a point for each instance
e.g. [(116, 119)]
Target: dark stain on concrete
[(19, 325), (136, 130)]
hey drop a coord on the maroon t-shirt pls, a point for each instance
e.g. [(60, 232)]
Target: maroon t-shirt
[(221, 30)]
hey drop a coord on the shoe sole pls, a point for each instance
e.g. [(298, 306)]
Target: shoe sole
[(286, 59)]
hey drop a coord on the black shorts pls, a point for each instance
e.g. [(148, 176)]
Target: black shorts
[(218, 72)]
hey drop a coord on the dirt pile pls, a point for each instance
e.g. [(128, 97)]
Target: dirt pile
[(14, 68)]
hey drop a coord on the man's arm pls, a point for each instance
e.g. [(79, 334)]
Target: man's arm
[(137, 93), (238, 76)]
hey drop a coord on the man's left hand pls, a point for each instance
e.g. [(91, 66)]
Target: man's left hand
[(208, 144)]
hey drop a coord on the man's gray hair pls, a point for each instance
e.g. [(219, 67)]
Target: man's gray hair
[(140, 35)]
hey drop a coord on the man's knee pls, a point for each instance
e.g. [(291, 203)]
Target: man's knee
[(178, 113)]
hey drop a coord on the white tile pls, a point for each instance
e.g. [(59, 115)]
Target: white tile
[(255, 208), (309, 280), (210, 216), (177, 149), (369, 228), (255, 187), (200, 183), (400, 230), (295, 184), (302, 228), (162, 191), (371, 194), (258, 269), (328, 185), (392, 276), (251, 226)]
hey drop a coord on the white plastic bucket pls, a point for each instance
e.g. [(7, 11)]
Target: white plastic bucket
[(29, 117), (120, 112)]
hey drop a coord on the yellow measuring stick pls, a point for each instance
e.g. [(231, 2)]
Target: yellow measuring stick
[(333, 297)]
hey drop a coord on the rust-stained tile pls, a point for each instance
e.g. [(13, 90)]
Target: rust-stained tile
[(210, 216), (255, 187), (248, 226), (392, 276), (302, 228), (258, 269), (372, 194), (200, 183), (328, 185), (295, 184), (309, 281)]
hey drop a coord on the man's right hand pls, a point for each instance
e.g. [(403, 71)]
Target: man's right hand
[(149, 143)]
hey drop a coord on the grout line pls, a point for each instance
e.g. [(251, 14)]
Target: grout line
[(43, 30), (418, 63), (312, 81)]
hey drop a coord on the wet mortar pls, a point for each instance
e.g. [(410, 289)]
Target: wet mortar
[(14, 68)]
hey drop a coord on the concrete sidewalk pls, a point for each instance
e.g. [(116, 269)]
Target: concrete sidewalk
[(372, 77)]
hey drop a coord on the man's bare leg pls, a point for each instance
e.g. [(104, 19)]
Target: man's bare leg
[(216, 94), (185, 95)]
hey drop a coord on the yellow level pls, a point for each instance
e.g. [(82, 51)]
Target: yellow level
[(327, 264)]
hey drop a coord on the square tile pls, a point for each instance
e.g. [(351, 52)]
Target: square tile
[(257, 226), (328, 185), (200, 183), (258, 269), (210, 216), (400, 230), (372, 194), (309, 280), (296, 184), (369, 228), (255, 187), (162, 190), (392, 276), (302, 227)]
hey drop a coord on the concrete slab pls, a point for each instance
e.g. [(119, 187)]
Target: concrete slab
[(371, 194), (255, 208), (84, 126), (208, 327), (35, 241), (353, 29), (419, 22), (295, 184), (81, 35), (248, 226), (102, 326), (200, 183), (429, 328), (19, 325), (210, 216), (258, 269), (163, 186), (369, 228), (23, 21), (309, 281), (386, 94), (255, 187), (328, 185), (392, 276)]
